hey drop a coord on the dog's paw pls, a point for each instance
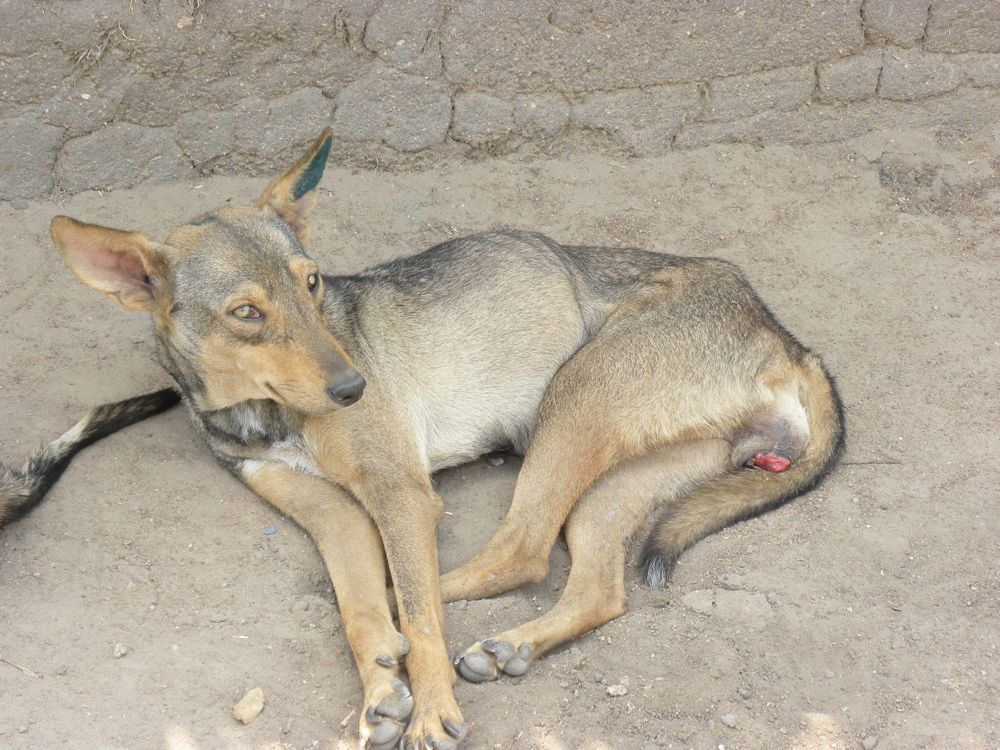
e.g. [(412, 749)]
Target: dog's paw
[(431, 731), (487, 660), (385, 717)]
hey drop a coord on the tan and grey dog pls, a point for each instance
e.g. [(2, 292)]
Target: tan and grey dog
[(627, 379)]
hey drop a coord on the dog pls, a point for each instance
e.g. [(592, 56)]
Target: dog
[(627, 380)]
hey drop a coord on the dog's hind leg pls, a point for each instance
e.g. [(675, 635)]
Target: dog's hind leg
[(618, 397), (352, 550), (597, 533), (561, 464)]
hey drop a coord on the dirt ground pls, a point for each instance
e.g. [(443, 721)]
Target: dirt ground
[(866, 611)]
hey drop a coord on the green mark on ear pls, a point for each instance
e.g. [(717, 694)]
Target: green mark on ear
[(206, 219), (312, 174)]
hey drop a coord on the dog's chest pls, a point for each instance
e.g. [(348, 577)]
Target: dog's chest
[(295, 454)]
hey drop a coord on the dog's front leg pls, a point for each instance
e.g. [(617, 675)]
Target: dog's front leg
[(407, 513), (352, 550)]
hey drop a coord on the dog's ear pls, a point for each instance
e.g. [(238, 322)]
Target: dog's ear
[(293, 195), (122, 265)]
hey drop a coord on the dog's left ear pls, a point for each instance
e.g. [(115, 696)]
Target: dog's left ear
[(293, 195)]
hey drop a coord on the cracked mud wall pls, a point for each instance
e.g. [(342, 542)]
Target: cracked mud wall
[(99, 94)]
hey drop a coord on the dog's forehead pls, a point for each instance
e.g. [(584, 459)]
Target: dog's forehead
[(230, 246), (237, 228)]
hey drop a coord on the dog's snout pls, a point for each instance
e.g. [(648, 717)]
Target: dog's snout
[(346, 390)]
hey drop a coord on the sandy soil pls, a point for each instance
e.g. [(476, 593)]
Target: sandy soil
[(867, 610)]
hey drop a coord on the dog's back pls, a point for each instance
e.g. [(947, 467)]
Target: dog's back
[(472, 331)]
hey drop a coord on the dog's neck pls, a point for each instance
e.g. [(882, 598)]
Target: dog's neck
[(250, 424), (240, 431), (245, 431)]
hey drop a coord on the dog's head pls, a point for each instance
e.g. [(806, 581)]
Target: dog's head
[(235, 300)]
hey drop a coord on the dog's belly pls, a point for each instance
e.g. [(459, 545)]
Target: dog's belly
[(464, 423), (457, 435)]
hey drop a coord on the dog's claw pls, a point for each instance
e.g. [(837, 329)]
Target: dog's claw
[(519, 664), (476, 667), (386, 720), (384, 734), (500, 649), (493, 657), (384, 660), (398, 705), (456, 730)]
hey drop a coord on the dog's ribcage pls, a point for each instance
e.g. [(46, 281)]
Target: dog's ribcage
[(471, 345)]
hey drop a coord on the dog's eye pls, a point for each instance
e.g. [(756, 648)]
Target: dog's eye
[(247, 312), (312, 280)]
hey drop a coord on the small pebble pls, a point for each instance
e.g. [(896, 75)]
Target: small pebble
[(23, 729), (120, 650), (729, 720), (250, 706), (744, 693), (828, 674), (869, 742), (494, 460), (270, 531), (616, 691)]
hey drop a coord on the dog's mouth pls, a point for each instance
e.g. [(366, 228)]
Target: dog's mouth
[(320, 407)]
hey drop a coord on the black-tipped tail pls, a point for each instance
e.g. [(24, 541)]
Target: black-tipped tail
[(22, 489)]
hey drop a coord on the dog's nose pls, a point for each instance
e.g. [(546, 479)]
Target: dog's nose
[(347, 389)]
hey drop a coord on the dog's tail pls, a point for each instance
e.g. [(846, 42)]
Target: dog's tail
[(22, 489), (745, 492)]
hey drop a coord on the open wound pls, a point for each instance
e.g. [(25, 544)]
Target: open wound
[(772, 462)]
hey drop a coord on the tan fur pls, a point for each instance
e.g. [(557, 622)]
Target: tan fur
[(596, 534), (352, 550), (627, 379)]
